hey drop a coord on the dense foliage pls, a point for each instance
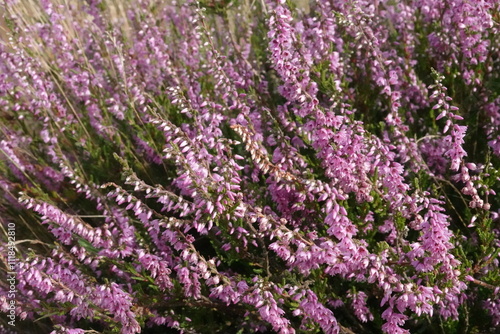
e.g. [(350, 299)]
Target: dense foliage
[(238, 166)]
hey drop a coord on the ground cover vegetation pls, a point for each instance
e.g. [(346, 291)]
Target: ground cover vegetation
[(241, 166)]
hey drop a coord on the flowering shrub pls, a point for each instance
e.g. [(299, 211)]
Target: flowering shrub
[(247, 166)]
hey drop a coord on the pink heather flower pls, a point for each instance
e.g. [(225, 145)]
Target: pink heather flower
[(394, 322), (340, 226), (118, 303), (271, 313), (358, 304), (63, 226), (313, 310), (158, 269), (492, 305), (456, 151), (64, 330)]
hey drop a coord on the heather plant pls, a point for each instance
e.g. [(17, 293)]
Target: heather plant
[(238, 166)]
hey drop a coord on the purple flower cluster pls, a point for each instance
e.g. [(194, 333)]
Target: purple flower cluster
[(237, 166)]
